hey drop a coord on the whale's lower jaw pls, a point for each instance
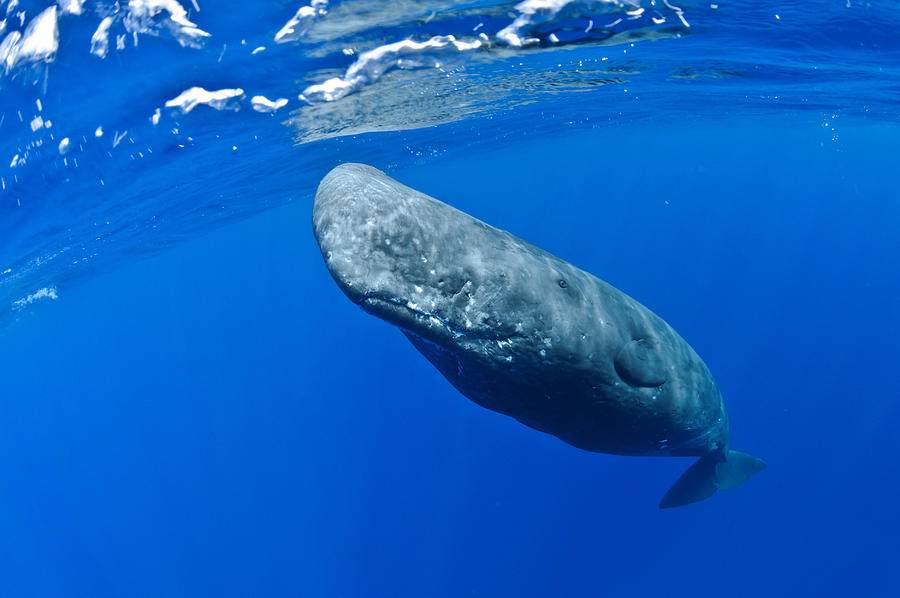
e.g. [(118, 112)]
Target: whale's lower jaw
[(409, 316), (405, 315)]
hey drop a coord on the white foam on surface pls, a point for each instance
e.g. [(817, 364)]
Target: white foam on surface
[(100, 39), (536, 12), (300, 22), (222, 99), (71, 7), (264, 104), (38, 44), (64, 146), (148, 16), (371, 65), (533, 22), (44, 293), (8, 47)]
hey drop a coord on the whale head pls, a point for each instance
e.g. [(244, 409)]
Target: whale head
[(380, 240), (425, 266)]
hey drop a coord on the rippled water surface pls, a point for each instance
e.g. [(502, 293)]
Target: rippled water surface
[(104, 103)]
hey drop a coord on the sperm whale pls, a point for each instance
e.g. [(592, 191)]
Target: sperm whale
[(524, 333)]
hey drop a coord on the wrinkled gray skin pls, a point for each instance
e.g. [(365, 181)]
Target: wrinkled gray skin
[(514, 328)]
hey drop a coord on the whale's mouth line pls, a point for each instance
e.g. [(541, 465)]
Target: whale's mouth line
[(455, 329)]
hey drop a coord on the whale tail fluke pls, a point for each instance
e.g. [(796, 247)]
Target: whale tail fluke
[(711, 473)]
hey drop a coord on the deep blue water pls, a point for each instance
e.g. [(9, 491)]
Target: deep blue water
[(191, 407)]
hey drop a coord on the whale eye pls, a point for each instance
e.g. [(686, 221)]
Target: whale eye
[(562, 283)]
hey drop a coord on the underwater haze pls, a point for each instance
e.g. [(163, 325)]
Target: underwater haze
[(189, 406)]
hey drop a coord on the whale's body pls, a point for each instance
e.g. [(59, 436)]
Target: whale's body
[(524, 333)]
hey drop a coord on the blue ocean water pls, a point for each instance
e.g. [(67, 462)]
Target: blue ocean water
[(190, 406)]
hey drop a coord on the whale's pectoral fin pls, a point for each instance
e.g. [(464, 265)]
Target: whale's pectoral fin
[(641, 363), (711, 473)]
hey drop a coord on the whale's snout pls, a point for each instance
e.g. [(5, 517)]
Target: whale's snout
[(378, 245), (414, 261)]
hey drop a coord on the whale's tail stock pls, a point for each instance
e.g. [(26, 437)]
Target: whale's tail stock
[(710, 473)]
